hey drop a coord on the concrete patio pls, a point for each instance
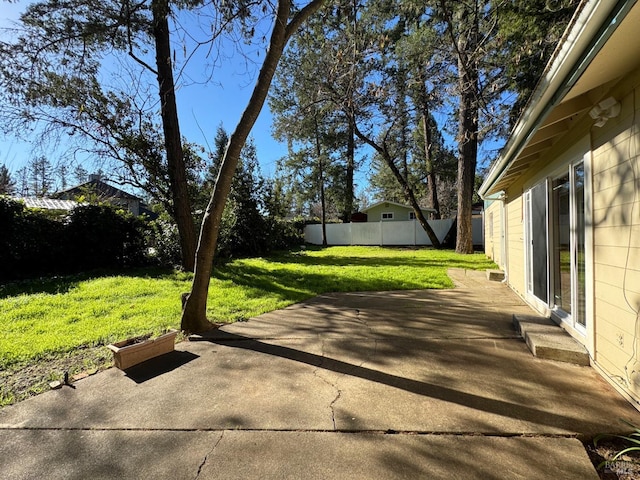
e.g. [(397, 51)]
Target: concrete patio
[(384, 385)]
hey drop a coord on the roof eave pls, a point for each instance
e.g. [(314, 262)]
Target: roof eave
[(592, 25)]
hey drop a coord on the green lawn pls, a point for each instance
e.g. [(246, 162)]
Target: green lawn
[(55, 316)]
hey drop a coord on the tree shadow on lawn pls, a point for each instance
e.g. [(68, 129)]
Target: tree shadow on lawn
[(289, 284), (439, 259), (297, 285), (64, 283)]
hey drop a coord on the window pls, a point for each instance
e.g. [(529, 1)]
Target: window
[(412, 215), (387, 216)]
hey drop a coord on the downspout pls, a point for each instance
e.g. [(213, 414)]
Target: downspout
[(570, 62)]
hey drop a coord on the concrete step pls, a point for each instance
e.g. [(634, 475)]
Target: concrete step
[(548, 341), (495, 275)]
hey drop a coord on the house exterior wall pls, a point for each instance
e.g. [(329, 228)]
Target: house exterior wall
[(616, 240), (612, 160), (493, 232), (514, 210)]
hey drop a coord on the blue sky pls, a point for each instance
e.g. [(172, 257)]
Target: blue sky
[(203, 105), (201, 108)]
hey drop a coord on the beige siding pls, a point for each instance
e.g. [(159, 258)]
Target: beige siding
[(492, 232), (616, 240), (630, 276), (400, 213), (606, 319), (613, 160), (622, 236), (515, 244)]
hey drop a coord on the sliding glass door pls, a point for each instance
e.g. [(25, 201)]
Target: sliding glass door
[(536, 235), (568, 227), (555, 245)]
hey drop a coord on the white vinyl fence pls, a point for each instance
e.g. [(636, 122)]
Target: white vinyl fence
[(385, 233)]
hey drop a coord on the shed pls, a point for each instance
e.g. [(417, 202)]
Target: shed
[(388, 211)]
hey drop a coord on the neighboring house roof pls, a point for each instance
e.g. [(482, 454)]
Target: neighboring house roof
[(599, 46), (102, 189), (48, 203), (409, 207)]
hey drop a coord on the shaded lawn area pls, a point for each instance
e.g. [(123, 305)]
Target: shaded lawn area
[(51, 319)]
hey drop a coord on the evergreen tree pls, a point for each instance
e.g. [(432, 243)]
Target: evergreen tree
[(80, 174), (392, 67), (22, 182), (41, 176), (321, 138), (7, 184), (244, 226)]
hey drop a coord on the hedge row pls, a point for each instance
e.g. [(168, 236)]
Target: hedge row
[(36, 242)]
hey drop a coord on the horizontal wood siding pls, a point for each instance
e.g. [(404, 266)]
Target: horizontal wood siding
[(400, 213), (515, 244), (492, 231), (616, 240)]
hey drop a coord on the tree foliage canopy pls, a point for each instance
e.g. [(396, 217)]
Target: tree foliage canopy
[(421, 82)]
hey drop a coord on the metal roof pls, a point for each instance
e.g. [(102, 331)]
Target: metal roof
[(48, 203)]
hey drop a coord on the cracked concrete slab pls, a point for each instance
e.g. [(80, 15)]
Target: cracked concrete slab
[(321, 455), (103, 454), (220, 387), (452, 386), (285, 388)]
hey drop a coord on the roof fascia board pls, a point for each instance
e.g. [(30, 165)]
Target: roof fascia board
[(593, 26), (408, 207)]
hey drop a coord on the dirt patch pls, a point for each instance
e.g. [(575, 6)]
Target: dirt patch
[(25, 380), (626, 467)]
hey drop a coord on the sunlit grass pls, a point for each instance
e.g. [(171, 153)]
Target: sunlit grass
[(55, 316)]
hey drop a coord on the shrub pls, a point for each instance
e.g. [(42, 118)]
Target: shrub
[(31, 242), (36, 242), (163, 242), (284, 234), (101, 236)]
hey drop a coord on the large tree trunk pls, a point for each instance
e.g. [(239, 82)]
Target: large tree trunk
[(194, 313), (172, 140), (349, 194), (467, 127), (323, 201), (432, 187)]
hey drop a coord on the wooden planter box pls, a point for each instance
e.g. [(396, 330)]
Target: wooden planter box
[(128, 353)]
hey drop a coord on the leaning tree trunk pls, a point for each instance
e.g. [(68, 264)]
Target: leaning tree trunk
[(194, 313), (406, 188), (411, 198), (172, 140)]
